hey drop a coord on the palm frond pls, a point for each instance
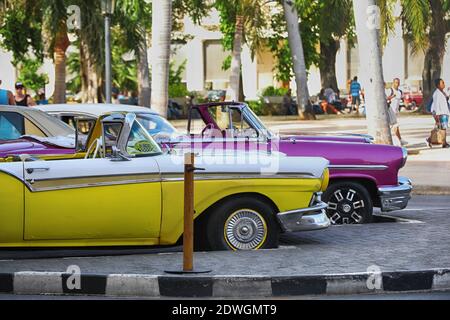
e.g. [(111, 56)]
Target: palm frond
[(416, 17)]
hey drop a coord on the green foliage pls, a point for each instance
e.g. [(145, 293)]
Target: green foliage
[(123, 71), (178, 90), (226, 64), (416, 17), (279, 46), (196, 9), (19, 33), (255, 21), (271, 91), (73, 67), (257, 106), (176, 87), (227, 14), (30, 76)]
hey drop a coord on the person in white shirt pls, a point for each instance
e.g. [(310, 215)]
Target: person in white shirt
[(440, 110), (394, 99)]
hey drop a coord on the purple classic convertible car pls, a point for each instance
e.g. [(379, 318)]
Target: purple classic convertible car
[(363, 175)]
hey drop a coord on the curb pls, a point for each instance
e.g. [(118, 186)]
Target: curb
[(430, 190), (140, 285)]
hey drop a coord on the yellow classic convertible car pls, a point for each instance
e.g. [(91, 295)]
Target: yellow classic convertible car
[(126, 191)]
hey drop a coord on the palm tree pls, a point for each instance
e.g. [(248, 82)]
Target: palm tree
[(161, 35), (298, 58), (335, 21), (134, 19), (91, 47), (244, 20), (426, 23), (369, 45), (57, 42)]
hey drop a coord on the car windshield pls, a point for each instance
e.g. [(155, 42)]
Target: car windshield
[(257, 124), (156, 125)]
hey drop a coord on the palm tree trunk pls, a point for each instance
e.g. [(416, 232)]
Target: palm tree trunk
[(434, 55), (371, 69), (234, 87), (161, 29), (89, 76), (327, 65), (143, 75), (298, 58), (59, 55)]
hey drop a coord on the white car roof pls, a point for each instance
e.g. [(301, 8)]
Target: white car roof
[(94, 109)]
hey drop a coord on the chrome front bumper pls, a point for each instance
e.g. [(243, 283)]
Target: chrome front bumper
[(395, 197), (307, 219)]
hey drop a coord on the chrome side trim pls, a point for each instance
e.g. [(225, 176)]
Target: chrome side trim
[(359, 167), (235, 175), (40, 185), (54, 184)]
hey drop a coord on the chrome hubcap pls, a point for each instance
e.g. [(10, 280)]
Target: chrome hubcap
[(345, 207), (245, 230)]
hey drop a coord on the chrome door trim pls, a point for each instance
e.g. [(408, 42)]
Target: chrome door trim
[(358, 167), (176, 176), (53, 184)]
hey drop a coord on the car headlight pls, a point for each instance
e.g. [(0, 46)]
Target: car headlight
[(405, 156)]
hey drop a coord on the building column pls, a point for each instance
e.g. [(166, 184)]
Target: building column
[(249, 74), (195, 73)]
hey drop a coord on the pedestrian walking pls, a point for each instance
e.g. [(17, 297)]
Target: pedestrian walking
[(6, 97), (393, 100), (355, 92), (22, 98), (440, 110)]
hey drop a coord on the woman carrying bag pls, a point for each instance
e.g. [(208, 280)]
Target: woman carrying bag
[(441, 113)]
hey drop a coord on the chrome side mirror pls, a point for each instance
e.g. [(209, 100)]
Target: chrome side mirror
[(117, 155)]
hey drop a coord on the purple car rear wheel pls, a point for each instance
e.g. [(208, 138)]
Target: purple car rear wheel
[(348, 203)]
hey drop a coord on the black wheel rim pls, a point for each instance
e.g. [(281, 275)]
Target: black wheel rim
[(346, 206)]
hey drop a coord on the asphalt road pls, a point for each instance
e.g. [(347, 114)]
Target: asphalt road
[(417, 204)]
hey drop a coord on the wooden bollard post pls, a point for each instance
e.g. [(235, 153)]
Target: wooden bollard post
[(188, 235)]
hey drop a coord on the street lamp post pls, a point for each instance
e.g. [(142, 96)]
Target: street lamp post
[(107, 11)]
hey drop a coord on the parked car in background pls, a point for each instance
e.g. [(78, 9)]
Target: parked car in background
[(16, 122), (31, 131), (216, 95), (155, 124), (412, 98), (123, 194), (363, 175)]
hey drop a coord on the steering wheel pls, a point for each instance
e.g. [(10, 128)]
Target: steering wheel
[(97, 151), (209, 126)]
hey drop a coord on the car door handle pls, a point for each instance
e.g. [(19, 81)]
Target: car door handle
[(31, 170)]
